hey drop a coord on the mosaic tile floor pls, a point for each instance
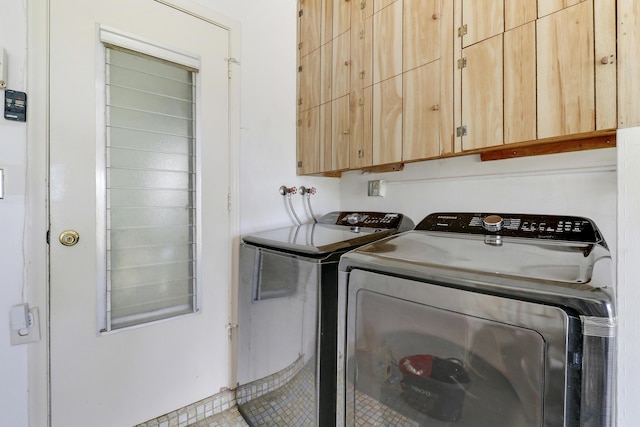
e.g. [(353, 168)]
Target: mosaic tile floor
[(292, 405), (229, 418)]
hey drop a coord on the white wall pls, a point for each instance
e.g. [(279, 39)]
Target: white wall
[(628, 275), (268, 115), (13, 142), (581, 183)]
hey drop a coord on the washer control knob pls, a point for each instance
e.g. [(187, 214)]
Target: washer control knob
[(493, 223), (354, 218)]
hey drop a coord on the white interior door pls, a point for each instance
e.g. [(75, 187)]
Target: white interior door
[(132, 374)]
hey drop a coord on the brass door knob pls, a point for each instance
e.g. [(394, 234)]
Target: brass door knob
[(69, 237)]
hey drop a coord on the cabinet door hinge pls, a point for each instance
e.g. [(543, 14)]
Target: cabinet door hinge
[(462, 63), (300, 13), (462, 30), (48, 237), (461, 131), (299, 163), (229, 201)]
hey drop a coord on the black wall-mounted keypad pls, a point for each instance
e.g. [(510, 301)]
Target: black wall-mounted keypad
[(15, 105)]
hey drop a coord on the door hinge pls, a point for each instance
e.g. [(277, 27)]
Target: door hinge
[(462, 63), (48, 237), (300, 13), (300, 69), (299, 163), (229, 201), (229, 62), (461, 131), (462, 30), (230, 328)]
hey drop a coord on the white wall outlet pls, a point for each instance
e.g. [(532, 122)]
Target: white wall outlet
[(376, 188), (29, 334), (3, 68)]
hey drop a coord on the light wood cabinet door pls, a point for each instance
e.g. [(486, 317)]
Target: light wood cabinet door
[(520, 84), (547, 7), (309, 26), (421, 32), (341, 76), (341, 16), (360, 148), (481, 19), (519, 12), (421, 112), (340, 134), (565, 69), (387, 42), (482, 94), (387, 121), (309, 81), (308, 142)]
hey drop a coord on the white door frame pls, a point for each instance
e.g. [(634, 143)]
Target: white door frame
[(36, 209)]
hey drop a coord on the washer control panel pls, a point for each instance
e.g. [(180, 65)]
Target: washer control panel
[(553, 227), (380, 220)]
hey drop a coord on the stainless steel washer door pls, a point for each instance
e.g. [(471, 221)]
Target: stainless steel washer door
[(419, 354)]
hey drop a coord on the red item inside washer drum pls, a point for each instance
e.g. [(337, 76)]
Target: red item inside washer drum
[(418, 365)]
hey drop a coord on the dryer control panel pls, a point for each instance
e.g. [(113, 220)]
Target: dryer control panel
[(532, 226)]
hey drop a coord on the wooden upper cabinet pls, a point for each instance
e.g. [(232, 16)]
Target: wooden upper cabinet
[(566, 75), (309, 81), (421, 33), (341, 76), (341, 16), (520, 95), (519, 12), (481, 19), (309, 25), (340, 134), (421, 112), (387, 42), (482, 95), (308, 142), (387, 121), (547, 7)]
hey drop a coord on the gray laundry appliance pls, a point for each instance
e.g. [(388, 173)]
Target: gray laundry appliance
[(287, 315), (482, 320)]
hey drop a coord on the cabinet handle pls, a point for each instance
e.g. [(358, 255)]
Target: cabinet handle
[(435, 107), (347, 63), (607, 59), (435, 16)]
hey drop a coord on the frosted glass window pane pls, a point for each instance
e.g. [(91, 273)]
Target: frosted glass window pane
[(148, 160), (149, 141), (151, 189), (150, 217), (150, 198), (140, 120)]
